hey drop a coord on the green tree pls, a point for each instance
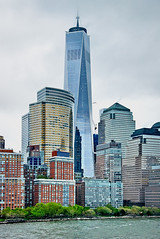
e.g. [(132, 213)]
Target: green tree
[(53, 209), (6, 212), (103, 211), (89, 213), (38, 211)]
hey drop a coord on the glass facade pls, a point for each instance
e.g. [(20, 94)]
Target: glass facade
[(78, 82), (51, 122), (108, 166), (143, 152), (77, 154), (25, 136), (116, 123), (97, 192)]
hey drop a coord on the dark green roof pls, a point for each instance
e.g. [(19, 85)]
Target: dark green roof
[(145, 131), (116, 106), (156, 125)]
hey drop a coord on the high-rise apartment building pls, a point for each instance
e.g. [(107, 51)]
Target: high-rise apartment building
[(25, 136), (116, 123), (78, 82), (143, 152), (51, 122), (11, 179), (2, 142)]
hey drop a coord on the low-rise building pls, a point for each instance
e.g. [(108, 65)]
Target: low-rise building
[(50, 190), (97, 192), (60, 187)]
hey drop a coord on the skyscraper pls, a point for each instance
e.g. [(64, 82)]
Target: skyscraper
[(78, 82), (25, 136), (142, 155), (116, 123), (51, 122)]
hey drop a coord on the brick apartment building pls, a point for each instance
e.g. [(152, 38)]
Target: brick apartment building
[(11, 179)]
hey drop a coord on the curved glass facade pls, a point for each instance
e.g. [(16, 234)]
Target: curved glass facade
[(51, 122), (78, 82)]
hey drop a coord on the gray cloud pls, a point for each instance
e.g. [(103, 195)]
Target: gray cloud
[(125, 46)]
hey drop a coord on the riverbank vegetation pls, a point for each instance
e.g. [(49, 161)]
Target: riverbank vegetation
[(55, 210)]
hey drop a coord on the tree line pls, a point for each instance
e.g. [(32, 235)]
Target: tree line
[(56, 210)]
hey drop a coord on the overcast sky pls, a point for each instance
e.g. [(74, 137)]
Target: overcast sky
[(125, 56)]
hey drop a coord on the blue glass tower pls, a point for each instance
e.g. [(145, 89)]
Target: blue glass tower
[(78, 82)]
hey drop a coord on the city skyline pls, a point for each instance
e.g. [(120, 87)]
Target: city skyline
[(124, 60)]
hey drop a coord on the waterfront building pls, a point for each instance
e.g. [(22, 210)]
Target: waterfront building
[(97, 192), (60, 187), (2, 142), (80, 193), (59, 191), (91, 192), (12, 179), (143, 152), (116, 194), (25, 136), (78, 82), (116, 123), (152, 192), (109, 166), (51, 122), (33, 169)]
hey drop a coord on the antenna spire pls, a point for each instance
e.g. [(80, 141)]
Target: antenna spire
[(77, 20)]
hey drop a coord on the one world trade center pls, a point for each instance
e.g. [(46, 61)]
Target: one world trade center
[(78, 81)]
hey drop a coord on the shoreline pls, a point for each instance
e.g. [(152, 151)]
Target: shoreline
[(11, 221)]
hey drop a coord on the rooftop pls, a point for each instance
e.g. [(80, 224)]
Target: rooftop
[(156, 125), (146, 131), (77, 27), (116, 106)]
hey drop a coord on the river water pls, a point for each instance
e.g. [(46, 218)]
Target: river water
[(84, 229)]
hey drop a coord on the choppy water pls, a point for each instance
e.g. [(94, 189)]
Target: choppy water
[(103, 229)]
